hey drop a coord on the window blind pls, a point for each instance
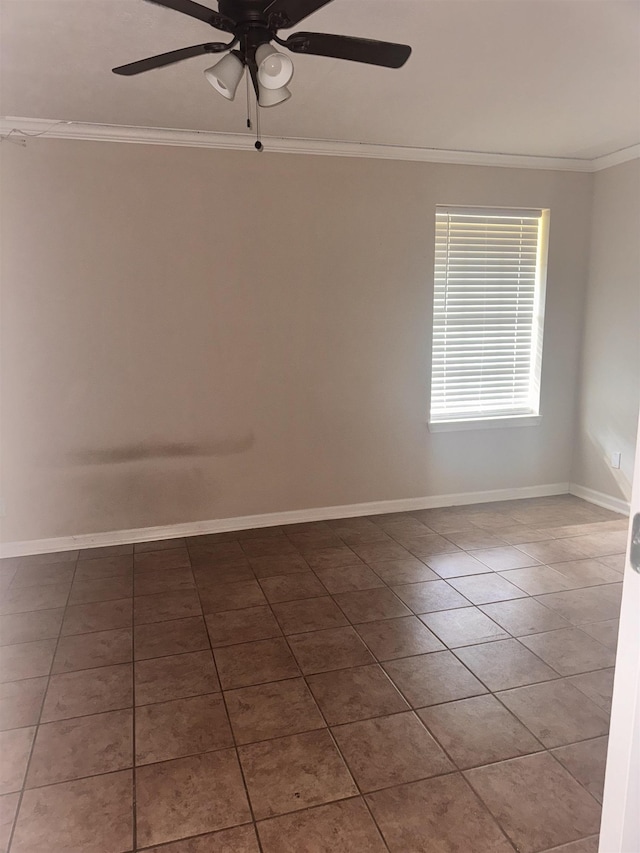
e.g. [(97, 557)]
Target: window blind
[(487, 313)]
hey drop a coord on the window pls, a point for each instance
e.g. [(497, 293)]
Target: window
[(487, 314)]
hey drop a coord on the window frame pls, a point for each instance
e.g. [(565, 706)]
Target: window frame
[(532, 416)]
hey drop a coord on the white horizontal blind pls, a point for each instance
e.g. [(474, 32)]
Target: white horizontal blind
[(486, 314)]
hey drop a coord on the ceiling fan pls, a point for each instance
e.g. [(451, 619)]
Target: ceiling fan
[(253, 25)]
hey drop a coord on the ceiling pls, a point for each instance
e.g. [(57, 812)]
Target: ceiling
[(557, 78)]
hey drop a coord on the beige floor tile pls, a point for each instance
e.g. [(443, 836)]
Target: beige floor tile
[(159, 545), (371, 605), (441, 814), (433, 678), (170, 638), (389, 751), (98, 616), (456, 565), (164, 606), (175, 677), (475, 539), (309, 614), (60, 573), (569, 651), (292, 587), (598, 686), (484, 589), (503, 558), (8, 809), (595, 604), (274, 566), (20, 702), (102, 648), (26, 599), (431, 596), (585, 845), (181, 727), (207, 575), (295, 772), (344, 826), (523, 616), (152, 582), (348, 578), (102, 589), (332, 558), (94, 815), (241, 626), (109, 566), (398, 638), (375, 552), (279, 546), (463, 626), (409, 570), (536, 801), (272, 710), (40, 559), (478, 731), (255, 663), (335, 648), (28, 627), (556, 712), (216, 597), (587, 572), (88, 691), (84, 746), (586, 761), (26, 660), (189, 796), (537, 580), (357, 693), (240, 839), (604, 632), (106, 551), (504, 664), (15, 748), (174, 558), (429, 546)]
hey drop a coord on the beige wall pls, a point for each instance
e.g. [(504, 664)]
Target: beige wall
[(196, 334), (610, 376)]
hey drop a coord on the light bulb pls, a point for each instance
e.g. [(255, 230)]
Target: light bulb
[(272, 65)]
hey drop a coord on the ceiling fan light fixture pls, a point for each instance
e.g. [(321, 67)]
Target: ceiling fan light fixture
[(225, 75), (272, 97), (275, 69)]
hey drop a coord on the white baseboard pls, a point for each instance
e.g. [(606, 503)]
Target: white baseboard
[(223, 525), (600, 499)]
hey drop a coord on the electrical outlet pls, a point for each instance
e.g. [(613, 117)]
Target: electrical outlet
[(615, 459)]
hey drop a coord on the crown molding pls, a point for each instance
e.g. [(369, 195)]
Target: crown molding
[(20, 128), (622, 156)]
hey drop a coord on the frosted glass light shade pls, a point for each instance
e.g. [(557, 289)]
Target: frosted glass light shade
[(225, 75), (273, 97), (275, 69)]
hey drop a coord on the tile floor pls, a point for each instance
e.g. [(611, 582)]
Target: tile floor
[(428, 681)]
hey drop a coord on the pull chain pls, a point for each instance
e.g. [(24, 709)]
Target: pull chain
[(259, 145), (248, 102)]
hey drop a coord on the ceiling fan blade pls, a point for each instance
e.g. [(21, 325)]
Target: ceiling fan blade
[(288, 13), (169, 58), (196, 10), (384, 53)]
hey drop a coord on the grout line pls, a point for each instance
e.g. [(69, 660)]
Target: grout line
[(38, 719), (233, 735)]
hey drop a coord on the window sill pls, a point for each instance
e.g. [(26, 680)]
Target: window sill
[(486, 423)]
